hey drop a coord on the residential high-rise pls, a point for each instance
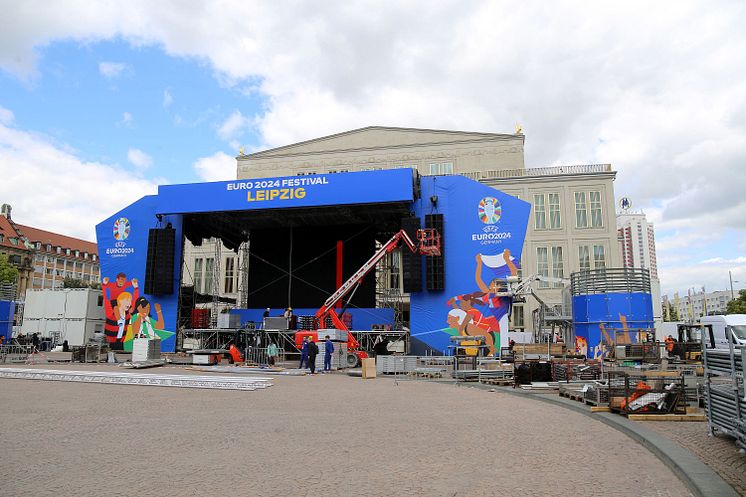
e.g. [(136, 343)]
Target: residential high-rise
[(637, 245)]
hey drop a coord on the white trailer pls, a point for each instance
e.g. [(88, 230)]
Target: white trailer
[(72, 314)]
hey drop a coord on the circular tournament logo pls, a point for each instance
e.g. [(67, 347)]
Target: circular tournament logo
[(489, 210), (121, 228)]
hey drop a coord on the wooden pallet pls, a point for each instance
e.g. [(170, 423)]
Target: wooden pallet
[(579, 396), (503, 382)]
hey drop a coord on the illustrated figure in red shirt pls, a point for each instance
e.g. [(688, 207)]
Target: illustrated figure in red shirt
[(118, 306)]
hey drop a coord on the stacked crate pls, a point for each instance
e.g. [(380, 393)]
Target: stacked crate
[(725, 398)]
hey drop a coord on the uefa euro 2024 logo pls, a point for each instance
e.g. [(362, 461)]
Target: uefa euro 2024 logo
[(489, 210), (121, 229)]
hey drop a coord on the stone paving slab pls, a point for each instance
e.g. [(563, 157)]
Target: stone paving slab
[(325, 434), (719, 452)]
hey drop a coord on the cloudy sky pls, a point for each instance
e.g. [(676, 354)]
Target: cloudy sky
[(102, 101)]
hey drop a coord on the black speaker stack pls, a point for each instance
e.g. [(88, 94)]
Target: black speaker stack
[(435, 271), (159, 266), (411, 261)]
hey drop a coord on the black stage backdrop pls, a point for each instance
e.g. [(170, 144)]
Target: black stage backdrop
[(314, 263)]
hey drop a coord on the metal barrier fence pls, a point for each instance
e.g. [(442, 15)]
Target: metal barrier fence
[(11, 354), (258, 355)]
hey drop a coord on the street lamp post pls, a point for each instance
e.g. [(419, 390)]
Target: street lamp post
[(732, 295)]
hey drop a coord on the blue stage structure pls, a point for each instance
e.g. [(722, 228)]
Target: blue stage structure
[(610, 307), (483, 232)]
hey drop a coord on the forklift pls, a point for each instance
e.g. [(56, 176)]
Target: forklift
[(689, 343)]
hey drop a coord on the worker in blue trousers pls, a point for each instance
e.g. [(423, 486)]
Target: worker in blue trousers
[(304, 354), (328, 351)]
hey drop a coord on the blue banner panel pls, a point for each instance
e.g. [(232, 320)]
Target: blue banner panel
[(484, 230), (7, 312), (394, 185), (123, 246)]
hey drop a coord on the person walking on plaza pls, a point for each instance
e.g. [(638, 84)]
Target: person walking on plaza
[(313, 351), (272, 353), (266, 313), (328, 351), (35, 342), (304, 354)]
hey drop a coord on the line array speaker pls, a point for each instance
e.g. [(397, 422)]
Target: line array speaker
[(435, 270), (411, 262), (159, 266)]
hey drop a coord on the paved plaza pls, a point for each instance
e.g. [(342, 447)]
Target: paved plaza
[(324, 434)]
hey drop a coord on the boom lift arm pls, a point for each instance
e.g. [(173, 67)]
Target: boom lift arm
[(429, 244)]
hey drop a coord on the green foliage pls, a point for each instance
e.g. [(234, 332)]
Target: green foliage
[(673, 314), (73, 283), (8, 273), (78, 283), (737, 305)]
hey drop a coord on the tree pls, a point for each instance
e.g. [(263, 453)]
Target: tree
[(8, 273), (737, 305), (674, 314)]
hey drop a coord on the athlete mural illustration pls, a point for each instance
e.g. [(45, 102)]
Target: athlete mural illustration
[(479, 313), (143, 325), (128, 314), (117, 306)]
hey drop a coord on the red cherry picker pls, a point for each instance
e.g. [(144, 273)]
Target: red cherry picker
[(428, 243)]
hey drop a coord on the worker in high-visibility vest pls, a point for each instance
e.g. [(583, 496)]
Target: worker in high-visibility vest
[(235, 353), (669, 345)]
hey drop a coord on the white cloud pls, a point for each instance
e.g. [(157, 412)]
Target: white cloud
[(168, 99), (233, 125), (39, 165), (217, 167), (6, 116), (127, 120), (139, 159), (112, 69)]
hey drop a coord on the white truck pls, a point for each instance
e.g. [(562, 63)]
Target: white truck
[(722, 323)]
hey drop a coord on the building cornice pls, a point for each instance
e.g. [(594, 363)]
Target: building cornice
[(286, 150)]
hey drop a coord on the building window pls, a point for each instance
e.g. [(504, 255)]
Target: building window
[(2, 237), (581, 210), (437, 168), (550, 259), (584, 218), (209, 268), (542, 264), (14, 241), (540, 212), (584, 259), (558, 266), (198, 275), (596, 219), (38, 245), (555, 219), (59, 250), (230, 271), (94, 257), (599, 257)]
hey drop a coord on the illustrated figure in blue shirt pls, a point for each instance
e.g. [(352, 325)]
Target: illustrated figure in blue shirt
[(304, 354), (328, 351)]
